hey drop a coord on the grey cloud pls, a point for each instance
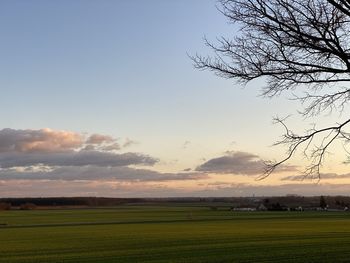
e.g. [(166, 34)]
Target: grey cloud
[(111, 147), (242, 163), (80, 158), (89, 147), (234, 163), (92, 173), (322, 176)]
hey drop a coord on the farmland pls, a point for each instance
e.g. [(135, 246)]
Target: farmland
[(174, 233)]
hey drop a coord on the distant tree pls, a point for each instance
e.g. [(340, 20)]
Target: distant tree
[(5, 206), (323, 203), (341, 203), (277, 207), (27, 206), (302, 44)]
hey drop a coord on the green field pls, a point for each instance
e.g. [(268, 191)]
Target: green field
[(173, 234)]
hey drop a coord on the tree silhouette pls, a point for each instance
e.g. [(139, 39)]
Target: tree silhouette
[(302, 44), (323, 203)]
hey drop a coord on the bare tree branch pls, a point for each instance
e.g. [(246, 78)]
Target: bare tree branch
[(302, 45), (316, 153)]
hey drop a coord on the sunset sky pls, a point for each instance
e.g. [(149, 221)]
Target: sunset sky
[(100, 98)]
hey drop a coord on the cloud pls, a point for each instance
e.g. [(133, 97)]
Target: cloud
[(111, 147), (44, 140), (89, 147), (242, 163), (50, 141), (234, 163), (99, 139), (128, 142), (46, 157), (63, 148), (186, 144), (80, 158), (91, 173), (322, 176)]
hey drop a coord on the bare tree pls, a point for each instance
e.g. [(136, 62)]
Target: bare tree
[(291, 44)]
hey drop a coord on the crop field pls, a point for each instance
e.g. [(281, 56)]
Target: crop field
[(173, 234)]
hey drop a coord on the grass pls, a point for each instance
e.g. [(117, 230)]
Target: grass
[(173, 234)]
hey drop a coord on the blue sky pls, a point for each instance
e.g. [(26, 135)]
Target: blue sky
[(106, 62), (121, 68)]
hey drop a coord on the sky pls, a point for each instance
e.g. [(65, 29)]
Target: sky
[(101, 98)]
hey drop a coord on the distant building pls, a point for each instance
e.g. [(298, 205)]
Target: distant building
[(261, 207), (299, 208)]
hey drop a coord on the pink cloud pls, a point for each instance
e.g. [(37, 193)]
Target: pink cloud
[(99, 139), (43, 140)]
